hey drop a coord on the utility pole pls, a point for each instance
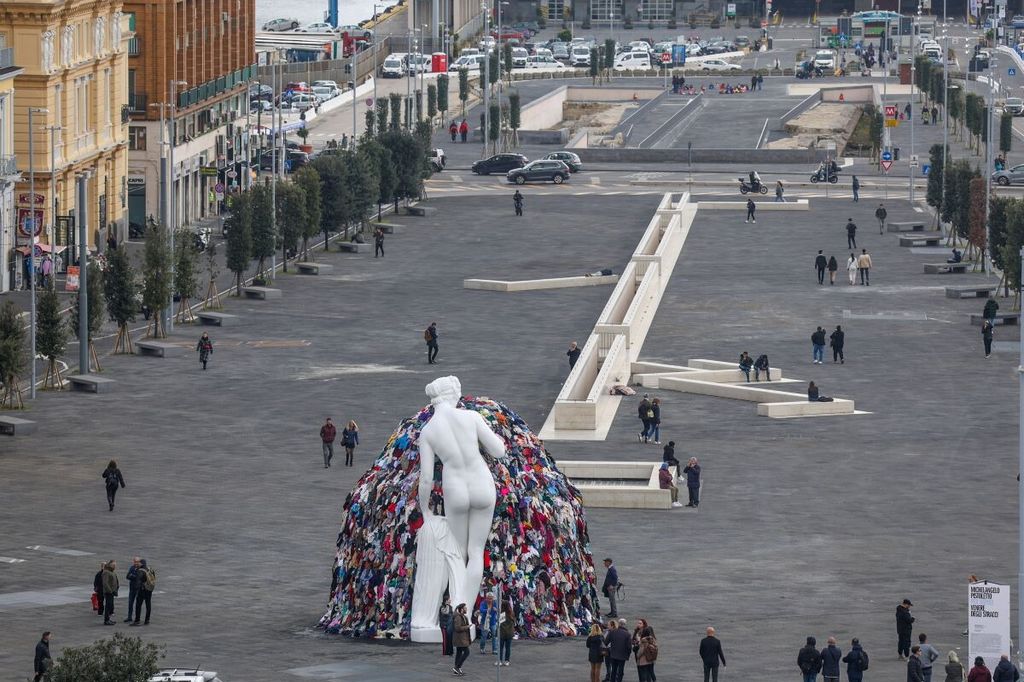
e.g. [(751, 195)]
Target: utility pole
[(913, 81), (945, 111), (83, 273), (1020, 486), (172, 89), (53, 204), (355, 84), (32, 238), (486, 74)]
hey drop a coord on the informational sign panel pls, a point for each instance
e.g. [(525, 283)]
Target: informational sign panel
[(988, 621), (890, 111), (730, 9), (71, 283), (27, 226)]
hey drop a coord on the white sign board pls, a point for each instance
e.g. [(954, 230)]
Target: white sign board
[(988, 621)]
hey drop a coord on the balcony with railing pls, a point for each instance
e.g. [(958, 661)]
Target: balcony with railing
[(137, 102), (133, 47), (8, 166), (6, 58)]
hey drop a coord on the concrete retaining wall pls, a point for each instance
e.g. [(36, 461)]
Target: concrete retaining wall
[(545, 111), (747, 157)]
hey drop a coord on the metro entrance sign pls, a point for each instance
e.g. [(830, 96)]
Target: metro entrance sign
[(666, 57), (890, 111)]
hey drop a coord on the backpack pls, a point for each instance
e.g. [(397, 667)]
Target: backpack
[(651, 651), (148, 579), (426, 334), (863, 660)]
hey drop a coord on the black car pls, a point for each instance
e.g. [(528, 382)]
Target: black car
[(499, 163), (568, 158), (294, 160), (544, 170)]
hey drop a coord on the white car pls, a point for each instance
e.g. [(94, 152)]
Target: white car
[(324, 93), (487, 44), (629, 61), (437, 160), (542, 52), (185, 675), (418, 63), (824, 59), (717, 65), (640, 46), (281, 25), (304, 102), (543, 62), (468, 52), (326, 84), (580, 56), (318, 27), (519, 56)]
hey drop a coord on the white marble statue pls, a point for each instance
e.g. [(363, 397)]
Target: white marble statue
[(100, 32), (66, 40), (451, 547), (115, 30), (47, 48)]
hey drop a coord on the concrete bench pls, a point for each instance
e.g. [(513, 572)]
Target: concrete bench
[(313, 268), (262, 293), (805, 408), (90, 383), (947, 268), (922, 239), (354, 247), (216, 319), (387, 228), (422, 211), (983, 291), (910, 226), (1006, 319), (158, 349), (16, 426), (755, 393)]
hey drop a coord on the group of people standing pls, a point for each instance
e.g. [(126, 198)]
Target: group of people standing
[(612, 646), (493, 624), (141, 584), (837, 340)]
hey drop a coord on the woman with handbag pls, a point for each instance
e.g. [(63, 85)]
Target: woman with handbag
[(349, 441), (596, 651)]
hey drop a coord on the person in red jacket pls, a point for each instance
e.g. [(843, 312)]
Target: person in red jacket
[(464, 130), (979, 673), (454, 130), (666, 482), (327, 434)]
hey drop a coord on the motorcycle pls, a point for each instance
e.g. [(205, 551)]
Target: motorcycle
[(746, 187), (833, 178)]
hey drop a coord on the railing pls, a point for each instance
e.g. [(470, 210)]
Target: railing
[(8, 165), (6, 57), (133, 47), (137, 102)]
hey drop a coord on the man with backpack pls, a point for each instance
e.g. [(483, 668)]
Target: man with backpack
[(147, 586), (430, 336), (809, 660), (133, 586), (856, 662)]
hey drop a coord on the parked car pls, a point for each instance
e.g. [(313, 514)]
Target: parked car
[(324, 92), (327, 84), (317, 27), (544, 62), (304, 101), (568, 158), (1009, 176), (544, 170), (1017, 21), (417, 63), (1014, 106), (632, 60), (825, 59), (357, 32), (437, 160), (185, 675), (264, 92), (470, 62), (468, 52), (297, 86), (260, 105), (293, 160), (394, 66), (519, 56), (580, 56), (717, 65), (560, 52), (499, 163), (741, 41), (487, 44), (281, 25)]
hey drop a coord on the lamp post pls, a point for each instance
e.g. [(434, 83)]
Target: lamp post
[(53, 204), (988, 150), (82, 179), (913, 80), (32, 237), (172, 92), (486, 74), (945, 109)]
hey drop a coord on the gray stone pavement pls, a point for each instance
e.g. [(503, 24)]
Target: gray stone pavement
[(814, 526)]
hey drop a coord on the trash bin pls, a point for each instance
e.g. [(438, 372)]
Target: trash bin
[(895, 153)]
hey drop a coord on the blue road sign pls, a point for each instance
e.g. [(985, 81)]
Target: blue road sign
[(925, 168), (1011, 71), (886, 156)]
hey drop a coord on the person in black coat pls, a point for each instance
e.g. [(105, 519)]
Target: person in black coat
[(620, 646), (831, 657), (595, 651), (904, 628), (856, 661), (809, 660), (1005, 671), (836, 340), (42, 662), (915, 673), (112, 479), (710, 654), (821, 264)]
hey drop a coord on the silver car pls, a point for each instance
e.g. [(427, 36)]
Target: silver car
[(1009, 176), (281, 25)]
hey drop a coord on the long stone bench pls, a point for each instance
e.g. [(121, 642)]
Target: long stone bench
[(261, 293), (313, 268), (90, 383), (158, 349), (387, 228), (763, 205), (922, 239), (534, 284), (755, 393), (16, 426), (947, 268), (981, 291), (421, 211), (636, 483), (1008, 319), (907, 226), (216, 319), (354, 247), (805, 408)]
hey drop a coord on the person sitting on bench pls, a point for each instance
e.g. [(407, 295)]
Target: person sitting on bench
[(746, 362), (761, 365), (957, 256), (813, 395)]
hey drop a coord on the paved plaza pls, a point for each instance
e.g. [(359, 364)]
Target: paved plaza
[(809, 526)]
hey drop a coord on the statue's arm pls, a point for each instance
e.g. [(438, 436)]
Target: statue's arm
[(493, 445), (426, 475)]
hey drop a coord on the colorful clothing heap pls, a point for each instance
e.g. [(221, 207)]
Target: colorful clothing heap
[(539, 536)]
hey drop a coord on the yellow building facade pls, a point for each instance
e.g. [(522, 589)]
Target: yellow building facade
[(73, 56), (8, 161)]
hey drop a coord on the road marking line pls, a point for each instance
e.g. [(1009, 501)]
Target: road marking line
[(10, 560), (58, 550)]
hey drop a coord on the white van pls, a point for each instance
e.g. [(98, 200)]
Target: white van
[(627, 61), (825, 59), (541, 61), (932, 50), (394, 65), (519, 55), (580, 56), (470, 62)]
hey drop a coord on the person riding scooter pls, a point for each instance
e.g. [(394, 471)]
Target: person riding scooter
[(755, 181)]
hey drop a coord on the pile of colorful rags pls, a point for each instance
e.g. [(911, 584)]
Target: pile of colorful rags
[(539, 537)]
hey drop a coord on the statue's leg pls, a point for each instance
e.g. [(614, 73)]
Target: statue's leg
[(479, 529)]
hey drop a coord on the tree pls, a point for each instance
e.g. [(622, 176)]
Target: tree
[(408, 158), (386, 178), (118, 659), (935, 178), (463, 89), (955, 104), (212, 300), (595, 66), (156, 279), (442, 95), (997, 229), (335, 192), (418, 104), (976, 215), (12, 355), (494, 127), (431, 101), (506, 57), (938, 88), (185, 274), (395, 104), (239, 242), (264, 232), (370, 119), (1010, 252), (1005, 132), (120, 291), (94, 296), (363, 183), (609, 54), (382, 114), (309, 180), (51, 336), (291, 216), (514, 116)]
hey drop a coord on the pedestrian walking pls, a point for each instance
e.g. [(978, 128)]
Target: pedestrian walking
[(761, 365), (990, 310), (110, 587), (954, 668), (907, 110), (935, 114), (464, 130), (666, 481), (914, 671), (327, 435), (779, 191), (831, 657), (619, 644), (646, 651), (506, 633), (820, 265), (851, 269), (610, 587), (112, 479), (42, 661), (979, 673), (487, 621), (833, 267), (453, 130), (205, 348), (856, 188), (46, 268), (864, 267), (446, 621), (751, 207), (595, 651), (851, 234), (904, 627), (711, 654), (881, 214), (655, 426), (746, 362), (857, 662), (644, 413), (1005, 671), (378, 242), (349, 441), (574, 354), (517, 202), (612, 624), (818, 346), (808, 659), (693, 481), (147, 586), (430, 336), (134, 580), (836, 339), (460, 628), (929, 655)]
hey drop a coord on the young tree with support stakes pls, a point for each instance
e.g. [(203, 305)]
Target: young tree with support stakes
[(212, 299), (1010, 252), (395, 104), (976, 218), (431, 102), (506, 57), (442, 95), (120, 291), (239, 241), (997, 235), (185, 274), (935, 178), (264, 233), (156, 278), (1005, 132), (370, 120), (12, 356), (514, 116), (94, 295), (494, 127), (955, 107), (609, 58), (386, 179), (408, 157), (595, 66), (309, 180), (335, 191), (463, 89), (291, 215), (366, 180), (51, 336), (382, 115)]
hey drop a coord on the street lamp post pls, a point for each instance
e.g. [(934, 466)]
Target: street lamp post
[(83, 272), (53, 203), (913, 80), (945, 110), (486, 74), (32, 237), (172, 91)]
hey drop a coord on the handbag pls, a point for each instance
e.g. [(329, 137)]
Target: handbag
[(95, 602)]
